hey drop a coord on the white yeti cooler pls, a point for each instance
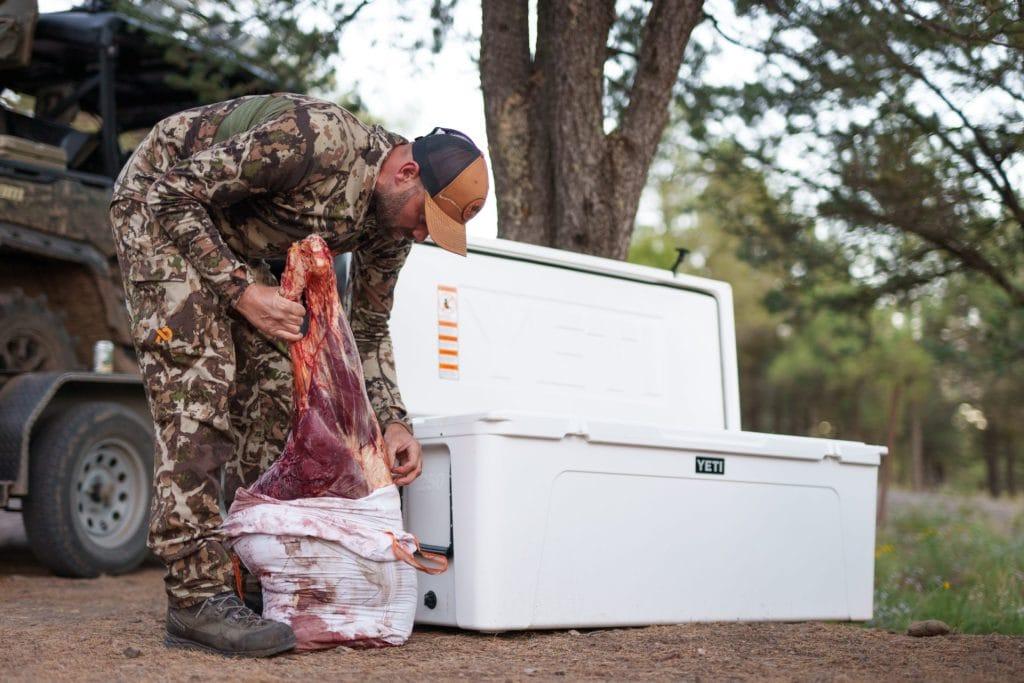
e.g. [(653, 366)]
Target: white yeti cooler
[(558, 522), (603, 478)]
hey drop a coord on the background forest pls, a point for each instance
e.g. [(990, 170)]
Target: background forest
[(852, 169), (861, 191)]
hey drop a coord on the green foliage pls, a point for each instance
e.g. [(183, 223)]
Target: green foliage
[(897, 123), (290, 41), (442, 13), (950, 564)]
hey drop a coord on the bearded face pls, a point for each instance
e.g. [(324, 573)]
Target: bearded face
[(389, 206)]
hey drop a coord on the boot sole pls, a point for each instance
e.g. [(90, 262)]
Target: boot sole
[(186, 644)]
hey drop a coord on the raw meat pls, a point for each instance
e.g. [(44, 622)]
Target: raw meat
[(335, 447), (322, 528)]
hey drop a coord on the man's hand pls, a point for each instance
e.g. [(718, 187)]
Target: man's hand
[(404, 453), (271, 313)]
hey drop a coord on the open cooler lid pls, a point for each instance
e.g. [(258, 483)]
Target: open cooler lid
[(521, 327), (545, 426)]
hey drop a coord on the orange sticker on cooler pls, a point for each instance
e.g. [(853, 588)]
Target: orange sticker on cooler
[(447, 332)]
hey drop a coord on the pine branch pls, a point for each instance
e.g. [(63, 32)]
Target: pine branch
[(937, 27), (1001, 185), (664, 38)]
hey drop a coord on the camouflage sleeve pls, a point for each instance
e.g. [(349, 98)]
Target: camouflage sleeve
[(371, 290), (269, 158)]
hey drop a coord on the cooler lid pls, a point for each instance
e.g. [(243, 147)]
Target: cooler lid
[(520, 327), (547, 426)]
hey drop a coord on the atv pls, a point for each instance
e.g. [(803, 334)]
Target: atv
[(79, 89)]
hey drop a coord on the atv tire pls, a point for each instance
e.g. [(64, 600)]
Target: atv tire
[(90, 483), (32, 337)]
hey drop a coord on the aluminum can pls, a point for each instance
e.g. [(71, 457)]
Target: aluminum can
[(103, 356)]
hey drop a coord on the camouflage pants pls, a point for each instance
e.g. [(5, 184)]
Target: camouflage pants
[(220, 395)]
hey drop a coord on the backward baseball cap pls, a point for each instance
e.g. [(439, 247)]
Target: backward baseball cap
[(454, 173)]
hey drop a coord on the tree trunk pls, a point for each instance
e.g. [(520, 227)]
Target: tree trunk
[(560, 180), (916, 448), (514, 96), (776, 410), (885, 473), (855, 431), (990, 444), (751, 408), (1011, 463)]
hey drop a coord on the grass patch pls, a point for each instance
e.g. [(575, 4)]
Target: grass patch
[(951, 564)]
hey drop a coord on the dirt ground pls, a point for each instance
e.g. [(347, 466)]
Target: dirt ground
[(111, 628)]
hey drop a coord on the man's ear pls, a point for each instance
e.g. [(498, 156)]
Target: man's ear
[(408, 171)]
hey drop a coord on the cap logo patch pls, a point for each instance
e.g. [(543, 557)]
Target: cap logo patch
[(472, 209)]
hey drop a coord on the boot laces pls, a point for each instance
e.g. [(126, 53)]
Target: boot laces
[(234, 609)]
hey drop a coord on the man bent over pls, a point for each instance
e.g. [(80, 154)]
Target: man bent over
[(206, 197)]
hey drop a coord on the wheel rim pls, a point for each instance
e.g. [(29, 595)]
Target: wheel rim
[(110, 492), (24, 350)]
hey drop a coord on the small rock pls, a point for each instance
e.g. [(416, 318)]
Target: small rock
[(131, 652), (573, 632), (929, 627), (701, 651), (529, 670)]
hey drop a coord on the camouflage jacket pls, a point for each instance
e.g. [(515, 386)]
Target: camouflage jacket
[(310, 168)]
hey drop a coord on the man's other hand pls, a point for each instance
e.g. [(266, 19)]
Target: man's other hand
[(271, 313), (404, 452)]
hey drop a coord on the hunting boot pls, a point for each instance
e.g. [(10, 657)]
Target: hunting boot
[(224, 625)]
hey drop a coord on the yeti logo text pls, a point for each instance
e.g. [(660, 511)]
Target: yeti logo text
[(710, 465)]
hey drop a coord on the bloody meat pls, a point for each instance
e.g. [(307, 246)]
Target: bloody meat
[(335, 447)]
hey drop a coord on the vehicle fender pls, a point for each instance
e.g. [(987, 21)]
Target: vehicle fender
[(26, 400)]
